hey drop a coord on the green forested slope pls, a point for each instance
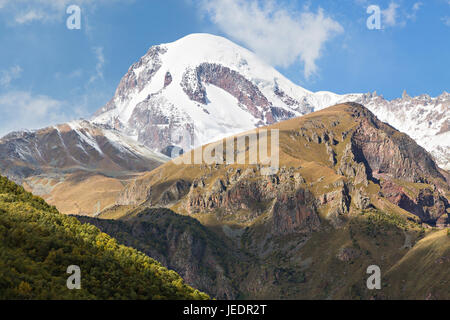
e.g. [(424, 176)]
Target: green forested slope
[(37, 244)]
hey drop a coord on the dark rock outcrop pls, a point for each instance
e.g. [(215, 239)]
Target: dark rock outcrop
[(247, 195)]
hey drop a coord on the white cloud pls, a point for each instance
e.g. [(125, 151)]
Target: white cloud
[(446, 21), (99, 66), (390, 14), (277, 34), (22, 109), (76, 73), (415, 8), (6, 77), (27, 11), (30, 16)]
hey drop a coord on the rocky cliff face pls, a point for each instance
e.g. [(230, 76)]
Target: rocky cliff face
[(247, 94), (423, 118), (389, 152), (146, 68), (283, 197), (202, 88)]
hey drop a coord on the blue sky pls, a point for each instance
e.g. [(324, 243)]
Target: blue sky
[(50, 74)]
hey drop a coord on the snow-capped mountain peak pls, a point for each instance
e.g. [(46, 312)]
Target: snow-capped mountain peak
[(203, 87), (206, 86)]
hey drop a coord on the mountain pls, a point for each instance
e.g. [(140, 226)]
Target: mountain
[(38, 244), (202, 258), (178, 96), (203, 87), (54, 161), (351, 192), (330, 264), (423, 118), (344, 142)]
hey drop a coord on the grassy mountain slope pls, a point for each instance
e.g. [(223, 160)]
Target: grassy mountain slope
[(80, 192), (37, 244), (351, 192), (429, 258)]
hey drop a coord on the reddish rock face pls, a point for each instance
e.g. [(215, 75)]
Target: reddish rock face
[(348, 254), (294, 213), (387, 151), (232, 82), (388, 155), (427, 205), (248, 195)]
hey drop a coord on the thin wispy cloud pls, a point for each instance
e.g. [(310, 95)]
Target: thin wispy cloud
[(446, 21), (18, 12), (7, 76), (415, 8), (99, 65), (275, 33), (76, 73), (30, 16), (390, 15), (22, 109), (3, 3), (25, 110)]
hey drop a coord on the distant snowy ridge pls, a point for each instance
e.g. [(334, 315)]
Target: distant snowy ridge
[(76, 145)]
